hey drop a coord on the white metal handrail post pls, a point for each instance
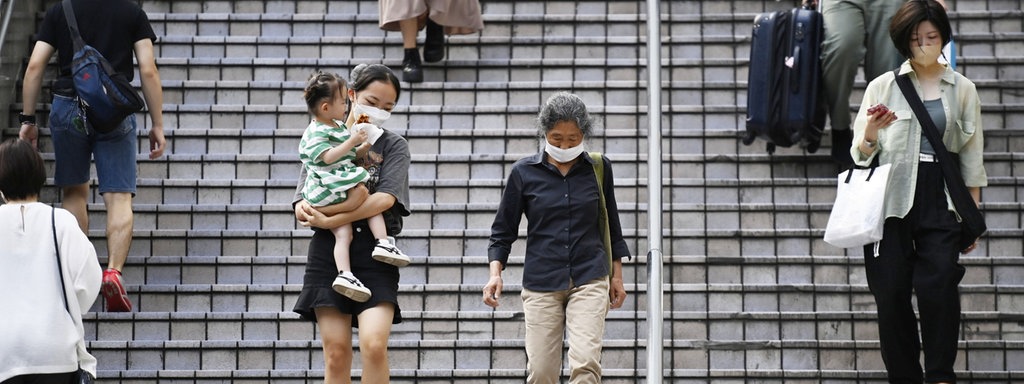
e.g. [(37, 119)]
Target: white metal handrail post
[(6, 21), (655, 318)]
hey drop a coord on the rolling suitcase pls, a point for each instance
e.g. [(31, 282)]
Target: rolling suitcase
[(784, 105)]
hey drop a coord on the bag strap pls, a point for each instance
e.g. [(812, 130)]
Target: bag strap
[(60, 275), (950, 168), (69, 15), (60, 268), (602, 224)]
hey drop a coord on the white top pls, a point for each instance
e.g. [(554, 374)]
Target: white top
[(36, 333)]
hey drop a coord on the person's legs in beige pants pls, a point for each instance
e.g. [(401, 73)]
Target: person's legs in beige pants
[(582, 311), (585, 314)]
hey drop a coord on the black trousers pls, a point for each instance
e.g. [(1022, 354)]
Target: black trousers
[(43, 378), (918, 255)]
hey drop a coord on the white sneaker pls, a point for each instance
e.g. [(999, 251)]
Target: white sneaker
[(349, 286), (387, 253)]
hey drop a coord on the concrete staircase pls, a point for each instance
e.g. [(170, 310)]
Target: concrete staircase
[(752, 293)]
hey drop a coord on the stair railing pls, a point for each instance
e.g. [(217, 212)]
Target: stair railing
[(655, 316), (6, 8)]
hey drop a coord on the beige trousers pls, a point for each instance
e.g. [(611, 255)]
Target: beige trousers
[(580, 311)]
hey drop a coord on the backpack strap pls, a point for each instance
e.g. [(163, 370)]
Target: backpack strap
[(602, 219), (69, 15)]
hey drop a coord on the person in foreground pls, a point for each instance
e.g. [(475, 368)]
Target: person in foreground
[(569, 280), (918, 252), (118, 29), (40, 340), (334, 183), (388, 166)]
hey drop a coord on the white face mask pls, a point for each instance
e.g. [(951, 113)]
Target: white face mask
[(925, 55), (377, 116), (563, 155)]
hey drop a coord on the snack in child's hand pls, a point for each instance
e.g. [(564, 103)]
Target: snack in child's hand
[(363, 118), (879, 108)]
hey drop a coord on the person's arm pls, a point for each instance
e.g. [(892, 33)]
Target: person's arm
[(153, 92), (31, 88), (619, 247), (375, 204), (866, 127), (504, 231), (492, 291), (334, 154), (617, 287)]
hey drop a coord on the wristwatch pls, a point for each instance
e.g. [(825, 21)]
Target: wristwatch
[(869, 143), (26, 119)]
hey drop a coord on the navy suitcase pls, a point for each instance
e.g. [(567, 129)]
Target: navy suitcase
[(784, 85)]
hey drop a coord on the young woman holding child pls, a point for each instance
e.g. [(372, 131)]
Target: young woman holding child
[(373, 90)]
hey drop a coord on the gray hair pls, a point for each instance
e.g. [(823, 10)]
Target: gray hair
[(565, 106)]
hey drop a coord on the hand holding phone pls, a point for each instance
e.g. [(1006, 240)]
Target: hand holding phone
[(879, 109)]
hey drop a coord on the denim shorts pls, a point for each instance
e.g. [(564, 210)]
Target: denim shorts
[(75, 142)]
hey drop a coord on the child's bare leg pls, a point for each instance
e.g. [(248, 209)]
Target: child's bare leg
[(346, 283), (378, 227), (342, 242), (385, 252)]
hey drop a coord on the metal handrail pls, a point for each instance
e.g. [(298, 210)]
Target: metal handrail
[(7, 7)]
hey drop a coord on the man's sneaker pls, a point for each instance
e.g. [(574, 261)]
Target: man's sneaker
[(349, 286), (387, 253), (113, 291)]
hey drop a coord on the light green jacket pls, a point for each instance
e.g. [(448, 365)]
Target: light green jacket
[(900, 143)]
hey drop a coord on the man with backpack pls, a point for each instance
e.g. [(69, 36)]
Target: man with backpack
[(117, 29)]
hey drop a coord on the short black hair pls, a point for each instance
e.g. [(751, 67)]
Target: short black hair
[(365, 74), (904, 23), (22, 172)]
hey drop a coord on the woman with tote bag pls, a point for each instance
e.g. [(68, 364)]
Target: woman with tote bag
[(922, 238)]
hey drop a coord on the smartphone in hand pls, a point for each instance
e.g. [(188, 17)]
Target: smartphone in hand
[(879, 108)]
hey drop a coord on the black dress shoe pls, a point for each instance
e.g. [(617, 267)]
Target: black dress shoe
[(412, 69), (433, 47)]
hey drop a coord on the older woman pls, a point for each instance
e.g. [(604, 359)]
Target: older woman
[(919, 251), (567, 283), (38, 343), (377, 87)]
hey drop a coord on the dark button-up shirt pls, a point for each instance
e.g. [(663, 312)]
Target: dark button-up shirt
[(563, 241)]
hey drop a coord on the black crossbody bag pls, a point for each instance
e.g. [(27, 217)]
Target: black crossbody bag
[(972, 222)]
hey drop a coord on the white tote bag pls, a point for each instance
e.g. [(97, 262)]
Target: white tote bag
[(857, 216)]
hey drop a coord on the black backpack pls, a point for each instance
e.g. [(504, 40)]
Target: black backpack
[(106, 97)]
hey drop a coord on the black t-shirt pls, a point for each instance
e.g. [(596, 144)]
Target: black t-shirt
[(110, 26)]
